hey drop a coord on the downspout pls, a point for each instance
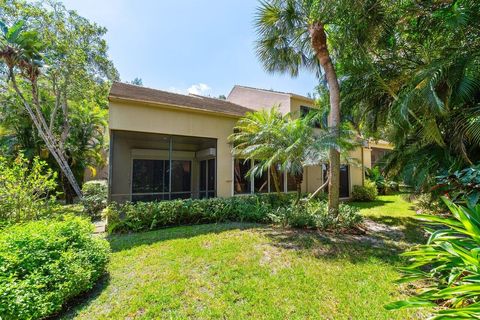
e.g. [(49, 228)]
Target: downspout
[(363, 168)]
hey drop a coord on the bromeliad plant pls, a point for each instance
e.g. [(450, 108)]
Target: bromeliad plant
[(448, 265)]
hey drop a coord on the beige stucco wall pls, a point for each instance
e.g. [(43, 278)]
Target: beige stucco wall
[(259, 99), (164, 120)]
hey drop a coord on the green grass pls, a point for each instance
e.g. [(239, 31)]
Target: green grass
[(244, 271), (393, 210)]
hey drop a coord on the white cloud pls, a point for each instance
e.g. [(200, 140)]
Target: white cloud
[(200, 88)]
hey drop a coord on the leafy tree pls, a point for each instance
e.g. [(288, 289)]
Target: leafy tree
[(420, 85), (71, 72), (137, 82)]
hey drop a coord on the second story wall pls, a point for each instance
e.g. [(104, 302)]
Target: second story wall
[(258, 99)]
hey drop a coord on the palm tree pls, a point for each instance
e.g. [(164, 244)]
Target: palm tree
[(273, 139), (292, 35), (20, 50)]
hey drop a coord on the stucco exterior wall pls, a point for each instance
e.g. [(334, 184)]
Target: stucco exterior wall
[(164, 120), (259, 99)]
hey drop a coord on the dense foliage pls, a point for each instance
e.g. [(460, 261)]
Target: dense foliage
[(54, 78), (461, 184), (314, 214), (367, 192), (448, 264), (26, 190), (94, 197), (416, 82), (269, 208), (44, 264)]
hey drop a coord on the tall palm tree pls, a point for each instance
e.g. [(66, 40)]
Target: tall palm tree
[(292, 35), (20, 50)]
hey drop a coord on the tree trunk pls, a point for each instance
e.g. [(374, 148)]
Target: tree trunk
[(48, 138), (319, 44), (276, 184), (298, 182)]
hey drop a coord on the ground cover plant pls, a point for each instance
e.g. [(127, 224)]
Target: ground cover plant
[(44, 264)]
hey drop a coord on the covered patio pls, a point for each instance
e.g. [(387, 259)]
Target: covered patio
[(150, 166)]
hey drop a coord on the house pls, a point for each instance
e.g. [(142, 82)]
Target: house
[(166, 145)]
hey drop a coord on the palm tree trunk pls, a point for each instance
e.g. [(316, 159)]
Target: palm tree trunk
[(276, 184), (319, 44), (48, 138)]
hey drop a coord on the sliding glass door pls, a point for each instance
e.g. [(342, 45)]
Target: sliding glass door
[(151, 180), (207, 178)]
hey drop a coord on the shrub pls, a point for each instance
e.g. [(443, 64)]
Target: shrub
[(367, 192), (44, 263), (462, 185), (26, 190), (153, 215), (448, 265), (94, 197), (314, 214)]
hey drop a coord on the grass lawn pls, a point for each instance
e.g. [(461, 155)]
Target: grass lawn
[(244, 271)]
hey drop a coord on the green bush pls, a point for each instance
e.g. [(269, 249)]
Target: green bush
[(314, 214), (153, 215), (26, 190), (448, 266), (94, 197), (367, 192), (44, 263)]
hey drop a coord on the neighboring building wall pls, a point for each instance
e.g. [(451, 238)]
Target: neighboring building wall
[(165, 120), (259, 99)]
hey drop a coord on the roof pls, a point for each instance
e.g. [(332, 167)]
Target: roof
[(290, 94), (130, 92)]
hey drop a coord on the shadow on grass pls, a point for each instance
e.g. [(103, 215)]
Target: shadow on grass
[(120, 242), (370, 204), (411, 228), (75, 305)]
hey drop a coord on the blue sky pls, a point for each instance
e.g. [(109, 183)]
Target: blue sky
[(201, 46)]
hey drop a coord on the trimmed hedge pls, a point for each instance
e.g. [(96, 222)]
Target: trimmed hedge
[(43, 264), (269, 208)]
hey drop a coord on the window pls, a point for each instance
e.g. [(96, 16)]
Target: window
[(291, 183), (276, 179), (242, 184), (207, 178), (260, 183), (305, 111), (150, 180)]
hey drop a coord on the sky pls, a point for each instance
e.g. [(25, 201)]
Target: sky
[(189, 46)]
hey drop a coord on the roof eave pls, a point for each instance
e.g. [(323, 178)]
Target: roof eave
[(173, 106)]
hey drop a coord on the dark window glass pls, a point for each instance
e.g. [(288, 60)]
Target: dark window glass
[(207, 178), (181, 176), (241, 182), (211, 175), (291, 183), (149, 176), (260, 183), (304, 111), (203, 178), (276, 179)]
